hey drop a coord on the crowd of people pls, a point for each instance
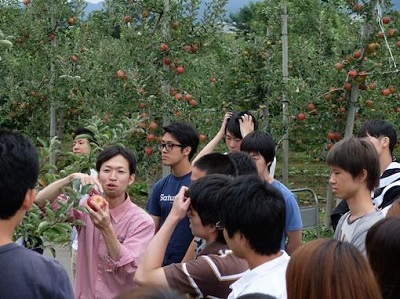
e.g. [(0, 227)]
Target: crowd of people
[(218, 226)]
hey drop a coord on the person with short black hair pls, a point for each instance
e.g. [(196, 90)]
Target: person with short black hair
[(178, 146), (213, 163), (113, 239), (354, 165), (384, 138), (244, 164), (211, 273), (261, 147), (252, 214), (24, 273)]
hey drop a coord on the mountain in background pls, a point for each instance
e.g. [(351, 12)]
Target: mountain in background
[(233, 6)]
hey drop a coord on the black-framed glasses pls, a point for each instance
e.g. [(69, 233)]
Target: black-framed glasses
[(170, 146), (220, 225)]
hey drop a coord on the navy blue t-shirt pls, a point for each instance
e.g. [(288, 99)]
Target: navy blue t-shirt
[(27, 274), (160, 204)]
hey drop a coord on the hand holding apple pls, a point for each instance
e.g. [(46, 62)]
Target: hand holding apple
[(96, 201)]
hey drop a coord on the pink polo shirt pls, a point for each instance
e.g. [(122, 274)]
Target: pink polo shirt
[(97, 275)]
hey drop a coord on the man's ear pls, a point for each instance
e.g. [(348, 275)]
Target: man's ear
[(29, 199), (131, 179), (385, 142), (363, 175), (187, 150)]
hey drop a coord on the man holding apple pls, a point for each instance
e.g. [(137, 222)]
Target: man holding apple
[(116, 231)]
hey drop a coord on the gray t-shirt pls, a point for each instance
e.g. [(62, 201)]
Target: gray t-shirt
[(27, 274), (355, 231)]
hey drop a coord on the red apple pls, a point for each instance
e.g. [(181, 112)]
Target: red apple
[(153, 126), (214, 80), (353, 73), (301, 116), (369, 103), (180, 70), (372, 86), (310, 106), (121, 74), (150, 137), (386, 20), (73, 58), (163, 47), (26, 2), (338, 66), (146, 13), (188, 97), (391, 32), (175, 25), (358, 7), (386, 92), (149, 151), (193, 103), (127, 19), (167, 61), (357, 54), (195, 48), (178, 96), (97, 199), (142, 105), (71, 21)]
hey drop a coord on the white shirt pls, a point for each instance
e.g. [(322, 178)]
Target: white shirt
[(268, 278), (74, 233)]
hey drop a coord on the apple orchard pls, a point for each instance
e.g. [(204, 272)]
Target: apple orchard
[(136, 65)]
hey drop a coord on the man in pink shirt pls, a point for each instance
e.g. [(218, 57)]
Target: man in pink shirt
[(113, 239)]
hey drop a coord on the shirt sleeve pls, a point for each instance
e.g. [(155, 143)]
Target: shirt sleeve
[(191, 277), (133, 248), (293, 217)]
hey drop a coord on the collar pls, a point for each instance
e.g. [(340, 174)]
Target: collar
[(117, 213), (214, 248)]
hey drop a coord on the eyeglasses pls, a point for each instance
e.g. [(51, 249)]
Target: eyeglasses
[(220, 225), (170, 146)]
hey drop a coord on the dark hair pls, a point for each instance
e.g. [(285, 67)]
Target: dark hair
[(142, 292), (19, 171), (330, 269), (255, 209), (203, 195), (378, 128), (260, 143), (84, 131), (244, 164), (185, 134), (233, 124), (353, 155), (115, 150), (383, 247), (216, 163)]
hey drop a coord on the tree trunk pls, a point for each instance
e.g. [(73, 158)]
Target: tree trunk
[(285, 101)]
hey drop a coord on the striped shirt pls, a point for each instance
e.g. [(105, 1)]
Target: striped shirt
[(208, 276)]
